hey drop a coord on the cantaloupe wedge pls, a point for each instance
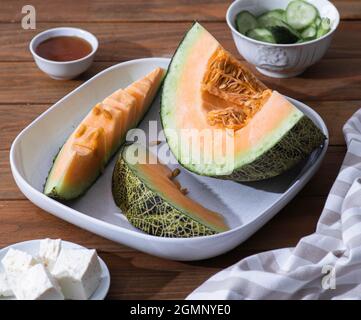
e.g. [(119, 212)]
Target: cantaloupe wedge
[(89, 148), (154, 201), (228, 124)]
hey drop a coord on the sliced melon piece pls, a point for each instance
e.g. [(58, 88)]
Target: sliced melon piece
[(152, 200), (89, 148), (221, 121)]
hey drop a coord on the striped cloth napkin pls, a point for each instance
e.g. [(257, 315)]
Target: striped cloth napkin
[(323, 265)]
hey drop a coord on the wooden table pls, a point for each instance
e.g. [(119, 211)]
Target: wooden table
[(132, 29)]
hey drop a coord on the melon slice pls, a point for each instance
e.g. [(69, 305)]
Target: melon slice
[(88, 149), (221, 121), (152, 200)]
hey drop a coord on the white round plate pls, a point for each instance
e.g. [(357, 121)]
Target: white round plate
[(32, 247)]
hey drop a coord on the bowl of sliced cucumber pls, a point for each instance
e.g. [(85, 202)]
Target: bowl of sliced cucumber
[(282, 38)]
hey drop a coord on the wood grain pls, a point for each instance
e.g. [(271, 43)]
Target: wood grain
[(117, 41), (137, 10), (14, 118), (328, 80), (319, 186), (130, 29), (124, 41), (22, 215), (136, 275), (334, 114)]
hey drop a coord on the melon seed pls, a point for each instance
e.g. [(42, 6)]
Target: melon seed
[(175, 173), (107, 114), (80, 131), (96, 110)]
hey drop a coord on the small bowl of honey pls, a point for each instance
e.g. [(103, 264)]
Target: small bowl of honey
[(64, 53)]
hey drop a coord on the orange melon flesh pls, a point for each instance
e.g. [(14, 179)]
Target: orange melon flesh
[(123, 101), (186, 105), (87, 154), (158, 177), (95, 140), (269, 118)]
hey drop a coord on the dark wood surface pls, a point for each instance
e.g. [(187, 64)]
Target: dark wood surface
[(134, 29)]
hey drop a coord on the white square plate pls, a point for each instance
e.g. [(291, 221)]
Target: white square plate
[(246, 207)]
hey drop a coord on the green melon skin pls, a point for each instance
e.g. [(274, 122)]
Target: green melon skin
[(147, 211), (65, 193), (296, 145)]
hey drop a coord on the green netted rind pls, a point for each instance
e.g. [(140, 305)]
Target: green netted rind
[(296, 145), (147, 211)]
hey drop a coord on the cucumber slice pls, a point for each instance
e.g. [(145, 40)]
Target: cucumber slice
[(325, 23), (283, 35), (318, 22), (287, 30), (321, 32), (246, 21), (261, 34), (324, 28), (300, 14), (268, 18), (309, 33)]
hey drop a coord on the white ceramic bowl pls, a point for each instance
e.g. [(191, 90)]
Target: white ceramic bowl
[(68, 69), (281, 60)]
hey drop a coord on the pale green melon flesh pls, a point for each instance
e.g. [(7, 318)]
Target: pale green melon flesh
[(293, 140)]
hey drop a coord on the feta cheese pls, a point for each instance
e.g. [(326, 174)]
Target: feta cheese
[(15, 263), (78, 273), (5, 290), (38, 284), (49, 250)]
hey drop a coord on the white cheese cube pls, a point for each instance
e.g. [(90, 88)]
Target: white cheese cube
[(5, 290), (15, 263), (49, 250), (38, 284), (78, 273)]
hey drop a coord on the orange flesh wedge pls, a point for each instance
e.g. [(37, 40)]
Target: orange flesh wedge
[(98, 136), (209, 91), (158, 177), (278, 108)]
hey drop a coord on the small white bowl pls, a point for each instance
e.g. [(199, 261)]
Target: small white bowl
[(64, 70), (281, 60)]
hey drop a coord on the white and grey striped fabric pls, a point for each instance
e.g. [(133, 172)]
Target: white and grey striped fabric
[(323, 265)]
